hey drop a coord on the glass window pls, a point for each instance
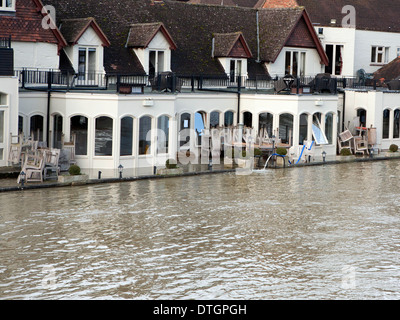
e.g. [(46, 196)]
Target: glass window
[(144, 139), (329, 127), (303, 128), (286, 128), (199, 125), (266, 122), (7, 4), (79, 128), (126, 141), (386, 121), (1, 126), (214, 119), (318, 135), (184, 134), (57, 131), (248, 119), (37, 127), (104, 136), (396, 124), (228, 118), (163, 134)]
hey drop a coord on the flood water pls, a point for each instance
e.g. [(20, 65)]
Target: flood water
[(327, 232)]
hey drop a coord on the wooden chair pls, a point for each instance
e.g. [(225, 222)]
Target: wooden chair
[(33, 167), (345, 141), (51, 167)]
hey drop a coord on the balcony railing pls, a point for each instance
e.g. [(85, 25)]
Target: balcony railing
[(171, 82)]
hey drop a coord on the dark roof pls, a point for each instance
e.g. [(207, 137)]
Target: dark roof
[(390, 71), (26, 24), (190, 26), (382, 15), (234, 3), (141, 34), (224, 43), (73, 29)]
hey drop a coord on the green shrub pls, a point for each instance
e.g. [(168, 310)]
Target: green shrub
[(345, 152), (281, 151), (74, 170), (257, 152), (170, 164), (393, 148)]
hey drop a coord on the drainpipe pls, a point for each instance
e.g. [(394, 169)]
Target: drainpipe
[(49, 81), (258, 37)]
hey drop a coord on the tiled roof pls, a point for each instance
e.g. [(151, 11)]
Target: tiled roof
[(382, 15), (224, 43), (141, 34), (73, 29), (390, 71), (233, 3), (26, 24), (190, 26)]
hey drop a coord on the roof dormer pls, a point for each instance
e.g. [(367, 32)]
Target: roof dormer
[(152, 44)]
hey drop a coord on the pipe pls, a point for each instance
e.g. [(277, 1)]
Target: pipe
[(258, 37)]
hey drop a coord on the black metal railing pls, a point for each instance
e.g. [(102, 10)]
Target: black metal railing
[(172, 82)]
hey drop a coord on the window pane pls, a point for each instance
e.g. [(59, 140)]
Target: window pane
[(184, 138), (329, 127), (79, 128), (126, 136), (144, 129), (57, 131), (386, 120), (265, 122), (199, 123), (103, 136), (286, 128), (163, 134), (295, 64), (228, 118), (303, 128), (214, 119), (287, 62), (396, 124), (37, 128), (373, 54)]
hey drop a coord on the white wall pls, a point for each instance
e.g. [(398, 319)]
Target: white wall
[(346, 38), (313, 62), (35, 55), (9, 104)]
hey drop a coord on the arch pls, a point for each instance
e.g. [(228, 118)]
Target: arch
[(386, 124), (248, 119), (163, 125), (103, 141), (36, 127), (266, 123), (286, 122), (329, 127), (126, 139), (362, 115), (214, 119), (303, 127), (145, 126), (79, 129), (229, 116)]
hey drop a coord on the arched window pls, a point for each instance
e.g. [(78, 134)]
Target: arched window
[(386, 124), (79, 128), (228, 119), (163, 134), (144, 129), (214, 119), (57, 131), (126, 141), (248, 119), (199, 125), (184, 132), (104, 136), (286, 128), (396, 124), (37, 127), (266, 122), (329, 127), (303, 128)]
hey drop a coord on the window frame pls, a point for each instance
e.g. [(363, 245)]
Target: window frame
[(376, 51), (4, 8), (301, 62)]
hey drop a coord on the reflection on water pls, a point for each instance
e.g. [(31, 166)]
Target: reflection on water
[(307, 233)]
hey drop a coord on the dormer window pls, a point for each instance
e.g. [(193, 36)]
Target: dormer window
[(232, 52), (7, 5), (152, 44)]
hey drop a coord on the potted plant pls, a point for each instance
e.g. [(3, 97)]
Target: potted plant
[(74, 175), (171, 168)]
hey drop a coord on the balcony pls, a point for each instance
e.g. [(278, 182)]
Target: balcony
[(169, 82)]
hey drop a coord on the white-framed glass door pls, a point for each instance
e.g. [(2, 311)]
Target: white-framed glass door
[(2, 138)]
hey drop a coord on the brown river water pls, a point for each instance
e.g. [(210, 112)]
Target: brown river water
[(328, 232)]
